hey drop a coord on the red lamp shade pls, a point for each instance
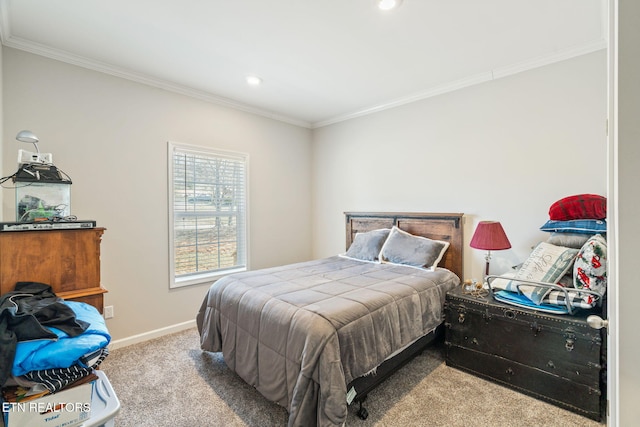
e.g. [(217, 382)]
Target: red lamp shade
[(490, 235)]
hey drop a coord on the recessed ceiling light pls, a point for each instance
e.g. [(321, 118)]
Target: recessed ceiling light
[(254, 80), (388, 4)]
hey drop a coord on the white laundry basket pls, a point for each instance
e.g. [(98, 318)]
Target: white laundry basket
[(104, 403)]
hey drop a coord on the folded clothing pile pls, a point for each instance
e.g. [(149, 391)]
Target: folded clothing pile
[(48, 344), (574, 256)]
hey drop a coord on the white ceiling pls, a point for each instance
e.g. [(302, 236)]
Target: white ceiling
[(321, 61)]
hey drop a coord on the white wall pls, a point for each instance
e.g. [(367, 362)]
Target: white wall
[(503, 150), (110, 135)]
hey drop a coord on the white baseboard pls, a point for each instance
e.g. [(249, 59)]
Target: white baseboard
[(146, 336)]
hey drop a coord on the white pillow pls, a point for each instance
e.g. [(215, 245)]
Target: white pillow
[(406, 249)]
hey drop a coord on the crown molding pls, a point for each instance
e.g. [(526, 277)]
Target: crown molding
[(496, 73), (541, 61), (435, 91), (69, 58), (5, 27)]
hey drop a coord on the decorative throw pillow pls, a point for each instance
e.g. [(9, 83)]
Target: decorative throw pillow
[(581, 226), (405, 248), (580, 206), (590, 268), (568, 240), (366, 246), (546, 263)]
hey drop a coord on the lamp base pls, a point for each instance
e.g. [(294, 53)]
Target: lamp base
[(487, 258)]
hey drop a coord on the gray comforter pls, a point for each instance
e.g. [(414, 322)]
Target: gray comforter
[(301, 332)]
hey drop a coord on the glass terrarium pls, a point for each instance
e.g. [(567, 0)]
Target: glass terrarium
[(37, 201)]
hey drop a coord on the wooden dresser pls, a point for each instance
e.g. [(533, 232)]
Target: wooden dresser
[(68, 260)]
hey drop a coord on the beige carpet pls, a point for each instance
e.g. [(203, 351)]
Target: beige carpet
[(169, 381)]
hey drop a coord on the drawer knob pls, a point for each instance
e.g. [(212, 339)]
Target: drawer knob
[(461, 318), (509, 371)]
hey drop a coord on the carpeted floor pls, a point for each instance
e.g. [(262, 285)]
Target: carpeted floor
[(169, 381)]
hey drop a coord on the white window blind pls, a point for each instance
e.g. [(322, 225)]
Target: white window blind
[(208, 213)]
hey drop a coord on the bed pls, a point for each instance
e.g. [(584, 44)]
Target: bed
[(318, 335)]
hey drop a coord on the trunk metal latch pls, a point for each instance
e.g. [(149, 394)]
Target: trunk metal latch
[(570, 341)]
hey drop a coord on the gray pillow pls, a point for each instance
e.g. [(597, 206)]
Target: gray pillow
[(568, 240), (367, 246), (405, 248)]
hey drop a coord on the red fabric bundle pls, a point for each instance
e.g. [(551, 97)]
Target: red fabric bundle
[(580, 206)]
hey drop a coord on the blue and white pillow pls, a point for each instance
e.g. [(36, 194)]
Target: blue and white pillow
[(581, 226)]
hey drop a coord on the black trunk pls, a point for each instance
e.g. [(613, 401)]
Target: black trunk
[(556, 358)]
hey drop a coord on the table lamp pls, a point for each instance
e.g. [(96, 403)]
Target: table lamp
[(490, 236)]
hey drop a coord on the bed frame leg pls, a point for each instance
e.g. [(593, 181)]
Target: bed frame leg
[(362, 412)]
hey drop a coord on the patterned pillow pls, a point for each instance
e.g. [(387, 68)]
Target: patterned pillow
[(590, 268), (580, 206), (366, 246), (584, 226), (546, 263)]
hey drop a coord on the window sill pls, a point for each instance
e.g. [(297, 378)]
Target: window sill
[(206, 278)]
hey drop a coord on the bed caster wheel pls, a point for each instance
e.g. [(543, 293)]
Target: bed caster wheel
[(363, 413)]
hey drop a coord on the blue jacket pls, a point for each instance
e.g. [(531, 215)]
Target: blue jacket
[(66, 350)]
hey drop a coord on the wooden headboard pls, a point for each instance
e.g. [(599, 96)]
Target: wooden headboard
[(437, 226)]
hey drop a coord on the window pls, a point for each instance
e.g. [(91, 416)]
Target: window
[(208, 213)]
